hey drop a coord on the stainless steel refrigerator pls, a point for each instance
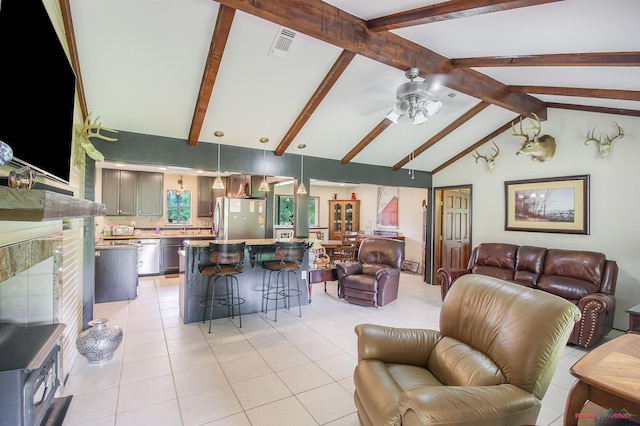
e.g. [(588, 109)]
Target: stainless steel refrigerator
[(239, 218)]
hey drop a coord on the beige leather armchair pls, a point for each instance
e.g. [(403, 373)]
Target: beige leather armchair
[(490, 364)]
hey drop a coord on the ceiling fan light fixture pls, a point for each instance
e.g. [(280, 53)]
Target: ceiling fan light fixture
[(414, 100), (432, 107)]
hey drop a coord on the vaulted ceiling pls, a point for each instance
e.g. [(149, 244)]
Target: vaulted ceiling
[(187, 68)]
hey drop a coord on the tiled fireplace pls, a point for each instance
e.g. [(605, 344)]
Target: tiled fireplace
[(29, 281)]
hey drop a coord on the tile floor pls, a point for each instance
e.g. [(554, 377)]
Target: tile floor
[(297, 371)]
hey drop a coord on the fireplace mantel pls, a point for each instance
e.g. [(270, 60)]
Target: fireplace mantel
[(37, 205)]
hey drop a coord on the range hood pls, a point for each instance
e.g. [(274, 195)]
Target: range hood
[(38, 205)]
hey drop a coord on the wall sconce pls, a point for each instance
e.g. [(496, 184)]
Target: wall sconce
[(217, 183), (301, 188), (264, 185)]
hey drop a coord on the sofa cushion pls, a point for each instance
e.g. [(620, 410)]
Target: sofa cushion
[(495, 260), (566, 287), (529, 265)]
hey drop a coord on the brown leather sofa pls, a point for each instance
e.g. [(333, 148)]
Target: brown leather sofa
[(587, 279), (480, 368), (374, 279)]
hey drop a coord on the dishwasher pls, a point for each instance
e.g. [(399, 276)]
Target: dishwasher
[(148, 256)]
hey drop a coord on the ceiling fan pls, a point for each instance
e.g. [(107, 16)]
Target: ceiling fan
[(414, 99)]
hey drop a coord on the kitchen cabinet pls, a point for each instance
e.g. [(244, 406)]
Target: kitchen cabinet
[(129, 193), (169, 257), (116, 274), (119, 191), (150, 194), (344, 216), (207, 195)]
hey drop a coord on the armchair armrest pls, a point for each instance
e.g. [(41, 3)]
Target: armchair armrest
[(447, 276), (467, 404), (396, 345), (351, 268), (596, 302)]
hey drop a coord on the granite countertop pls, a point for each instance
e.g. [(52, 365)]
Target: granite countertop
[(102, 244), (153, 235), (249, 242)]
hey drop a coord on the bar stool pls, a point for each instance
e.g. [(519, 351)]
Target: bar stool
[(221, 264), (290, 256)]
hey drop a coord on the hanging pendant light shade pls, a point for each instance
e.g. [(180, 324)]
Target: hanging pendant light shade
[(301, 188), (217, 183), (264, 185)]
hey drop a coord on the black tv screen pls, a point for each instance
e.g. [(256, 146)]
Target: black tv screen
[(37, 89)]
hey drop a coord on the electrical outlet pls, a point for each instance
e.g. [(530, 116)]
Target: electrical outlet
[(133, 223), (303, 275)]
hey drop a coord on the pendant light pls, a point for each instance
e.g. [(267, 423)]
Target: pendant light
[(264, 185), (301, 188), (217, 183)]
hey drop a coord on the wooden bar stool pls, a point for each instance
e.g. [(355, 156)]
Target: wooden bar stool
[(290, 256), (224, 262)]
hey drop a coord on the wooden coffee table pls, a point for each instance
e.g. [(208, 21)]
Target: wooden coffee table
[(322, 274), (609, 376)]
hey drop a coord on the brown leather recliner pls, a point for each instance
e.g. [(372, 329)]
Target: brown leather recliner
[(490, 363), (374, 279)]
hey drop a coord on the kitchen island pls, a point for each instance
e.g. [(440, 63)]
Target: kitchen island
[(193, 285)]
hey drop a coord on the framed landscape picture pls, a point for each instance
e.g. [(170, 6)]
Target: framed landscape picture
[(558, 205)]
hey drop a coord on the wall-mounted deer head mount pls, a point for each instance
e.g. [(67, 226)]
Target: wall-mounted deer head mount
[(491, 160), (92, 130), (604, 146), (540, 148)]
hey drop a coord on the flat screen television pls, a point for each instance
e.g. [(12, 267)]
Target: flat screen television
[(37, 89)]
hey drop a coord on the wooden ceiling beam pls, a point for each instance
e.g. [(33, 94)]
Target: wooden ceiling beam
[(473, 147), (70, 34), (475, 110), (366, 140), (216, 49), (625, 95), (608, 59), (325, 22), (447, 10), (589, 108), (323, 89)]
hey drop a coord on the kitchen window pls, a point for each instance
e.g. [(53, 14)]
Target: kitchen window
[(285, 213), (178, 207)]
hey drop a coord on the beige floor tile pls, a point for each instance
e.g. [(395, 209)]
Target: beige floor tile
[(164, 414), (199, 379), (145, 370), (245, 368), (275, 413), (260, 390), (328, 403), (203, 407), (144, 352), (304, 377), (239, 419), (89, 381), (143, 394), (192, 360), (285, 358), (91, 406)]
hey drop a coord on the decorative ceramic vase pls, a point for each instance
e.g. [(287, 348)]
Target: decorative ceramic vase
[(98, 343)]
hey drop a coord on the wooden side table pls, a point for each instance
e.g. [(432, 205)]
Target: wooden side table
[(608, 376), (323, 274), (634, 319)]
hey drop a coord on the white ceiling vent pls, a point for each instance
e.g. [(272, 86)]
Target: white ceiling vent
[(282, 42)]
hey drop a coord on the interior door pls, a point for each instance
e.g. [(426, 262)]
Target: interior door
[(455, 228)]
